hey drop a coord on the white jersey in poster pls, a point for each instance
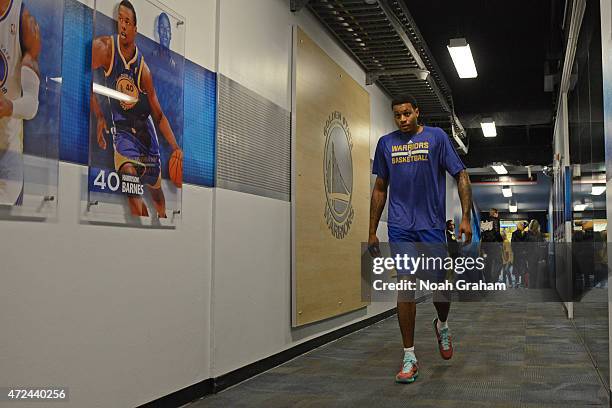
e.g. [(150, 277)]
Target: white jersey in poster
[(11, 129)]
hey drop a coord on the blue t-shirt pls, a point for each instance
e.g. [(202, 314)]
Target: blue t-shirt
[(414, 167)]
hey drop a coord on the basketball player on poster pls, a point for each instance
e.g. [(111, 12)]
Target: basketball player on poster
[(134, 118), (19, 81)]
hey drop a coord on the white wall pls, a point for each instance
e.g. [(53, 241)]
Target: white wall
[(123, 315), (201, 29), (118, 315), (251, 278)]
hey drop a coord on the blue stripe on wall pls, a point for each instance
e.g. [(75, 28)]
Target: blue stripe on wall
[(200, 95), (200, 104), (76, 82)]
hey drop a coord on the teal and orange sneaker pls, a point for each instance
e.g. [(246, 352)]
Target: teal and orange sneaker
[(409, 371), (445, 344)]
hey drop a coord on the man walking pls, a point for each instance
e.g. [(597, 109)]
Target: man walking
[(411, 163)]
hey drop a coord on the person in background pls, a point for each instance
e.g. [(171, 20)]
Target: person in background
[(533, 232), (506, 276), (519, 239), (491, 235), (536, 255)]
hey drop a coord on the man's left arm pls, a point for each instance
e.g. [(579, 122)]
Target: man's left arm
[(451, 162), (156, 111), (26, 106), (465, 196)]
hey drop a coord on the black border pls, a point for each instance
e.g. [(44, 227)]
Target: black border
[(214, 385)]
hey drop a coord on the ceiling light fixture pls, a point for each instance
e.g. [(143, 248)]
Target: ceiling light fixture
[(507, 191), (512, 208), (488, 127), (597, 190), (499, 169), (580, 207), (461, 54)]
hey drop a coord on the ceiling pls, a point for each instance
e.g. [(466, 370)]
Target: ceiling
[(535, 197), (384, 39), (511, 42), (514, 44), (529, 197)]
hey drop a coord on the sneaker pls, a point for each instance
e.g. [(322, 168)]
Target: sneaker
[(409, 371), (445, 344)]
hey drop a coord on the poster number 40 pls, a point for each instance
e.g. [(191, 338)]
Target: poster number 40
[(113, 182)]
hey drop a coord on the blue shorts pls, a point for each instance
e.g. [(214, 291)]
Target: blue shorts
[(430, 236), (129, 148), (429, 245)]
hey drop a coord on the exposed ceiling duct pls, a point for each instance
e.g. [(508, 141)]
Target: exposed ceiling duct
[(384, 39)]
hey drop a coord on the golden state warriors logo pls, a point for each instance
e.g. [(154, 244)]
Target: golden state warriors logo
[(338, 175), (3, 70), (126, 85)]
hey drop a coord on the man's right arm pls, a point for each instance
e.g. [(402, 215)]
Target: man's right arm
[(377, 204)]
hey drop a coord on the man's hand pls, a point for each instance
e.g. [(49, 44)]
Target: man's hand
[(6, 107), (102, 130), (465, 228), (373, 246)]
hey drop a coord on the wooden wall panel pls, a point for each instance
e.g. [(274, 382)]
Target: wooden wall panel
[(331, 185)]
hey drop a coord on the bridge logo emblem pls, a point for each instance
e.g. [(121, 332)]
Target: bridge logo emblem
[(338, 175)]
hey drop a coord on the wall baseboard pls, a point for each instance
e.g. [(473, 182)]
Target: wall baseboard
[(183, 396), (214, 385)]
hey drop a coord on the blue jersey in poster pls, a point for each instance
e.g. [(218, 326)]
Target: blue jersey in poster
[(131, 119), (134, 136), (415, 168)]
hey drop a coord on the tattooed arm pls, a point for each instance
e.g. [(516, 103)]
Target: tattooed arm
[(465, 195)]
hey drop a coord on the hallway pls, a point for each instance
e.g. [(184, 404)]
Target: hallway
[(506, 355)]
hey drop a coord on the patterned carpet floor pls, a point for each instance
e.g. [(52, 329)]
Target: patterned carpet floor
[(506, 355)]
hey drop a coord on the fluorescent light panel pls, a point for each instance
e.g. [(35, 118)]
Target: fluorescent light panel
[(580, 207), (500, 169), (488, 127), (461, 54), (513, 208), (102, 90), (597, 190), (507, 191)]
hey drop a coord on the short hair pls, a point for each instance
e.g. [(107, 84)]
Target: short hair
[(164, 16), (449, 222), (128, 5), (404, 98)]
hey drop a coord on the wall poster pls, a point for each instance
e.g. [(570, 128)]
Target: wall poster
[(31, 37), (136, 118)]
